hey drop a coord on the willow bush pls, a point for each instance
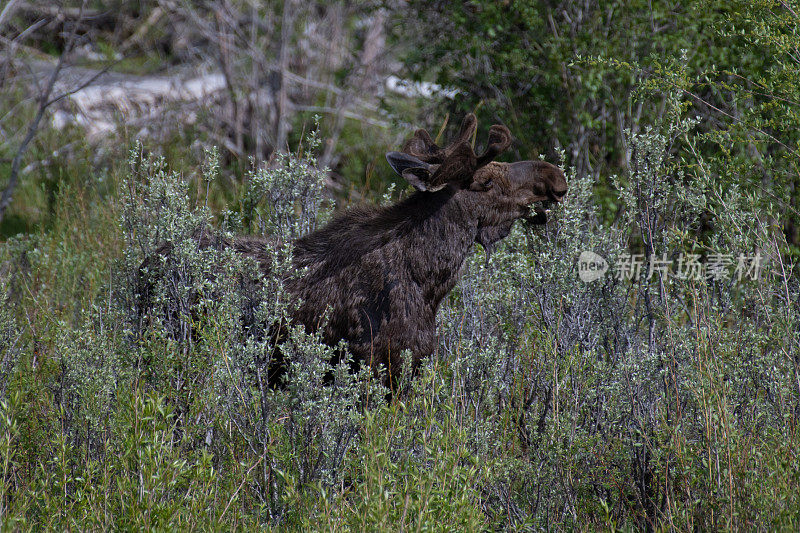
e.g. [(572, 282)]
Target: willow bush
[(647, 400)]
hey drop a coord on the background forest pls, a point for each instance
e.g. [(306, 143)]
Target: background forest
[(653, 400)]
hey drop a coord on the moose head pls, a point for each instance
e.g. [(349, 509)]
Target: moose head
[(503, 192)]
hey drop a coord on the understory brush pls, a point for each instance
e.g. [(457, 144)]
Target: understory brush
[(665, 394)]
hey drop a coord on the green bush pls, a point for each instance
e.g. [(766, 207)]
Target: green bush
[(650, 402)]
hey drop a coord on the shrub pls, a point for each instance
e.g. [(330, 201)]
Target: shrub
[(638, 401)]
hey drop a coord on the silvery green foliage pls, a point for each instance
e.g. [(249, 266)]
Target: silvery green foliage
[(386, 197), (600, 369), (157, 211), (285, 197), (661, 201), (217, 320), (325, 405), (10, 339), (94, 363), (157, 207)]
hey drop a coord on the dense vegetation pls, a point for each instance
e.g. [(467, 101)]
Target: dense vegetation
[(660, 399)]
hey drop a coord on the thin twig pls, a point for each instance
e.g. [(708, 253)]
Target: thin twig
[(240, 487), (5, 199), (85, 84), (44, 103), (7, 11), (789, 9), (715, 108)]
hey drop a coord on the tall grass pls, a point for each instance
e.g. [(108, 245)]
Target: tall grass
[(656, 402)]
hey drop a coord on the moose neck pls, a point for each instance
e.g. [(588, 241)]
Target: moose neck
[(436, 240), (422, 240)]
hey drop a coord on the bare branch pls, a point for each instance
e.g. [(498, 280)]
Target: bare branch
[(44, 103), (7, 11), (83, 85), (80, 14), (286, 26), (5, 199)]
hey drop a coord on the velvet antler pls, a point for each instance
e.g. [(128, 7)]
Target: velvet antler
[(456, 162)]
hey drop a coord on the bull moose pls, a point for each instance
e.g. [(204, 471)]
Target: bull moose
[(378, 274)]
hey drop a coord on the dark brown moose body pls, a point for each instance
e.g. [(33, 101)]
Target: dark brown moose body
[(380, 273)]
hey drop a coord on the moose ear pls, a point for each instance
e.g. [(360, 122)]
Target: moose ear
[(417, 172)]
